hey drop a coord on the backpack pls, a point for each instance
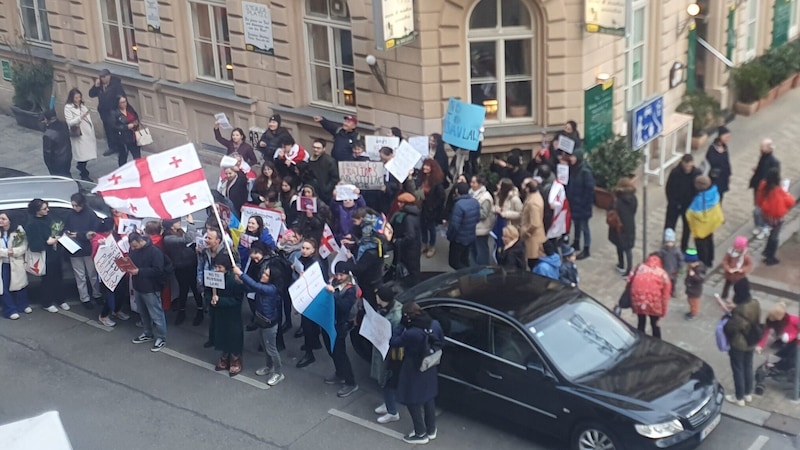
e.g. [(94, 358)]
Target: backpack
[(719, 333), (432, 351), (280, 272), (613, 220), (754, 334)]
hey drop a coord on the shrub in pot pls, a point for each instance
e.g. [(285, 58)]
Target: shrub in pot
[(751, 83), (32, 79), (610, 161), (705, 111)]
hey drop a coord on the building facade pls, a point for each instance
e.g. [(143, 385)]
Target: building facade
[(528, 61)]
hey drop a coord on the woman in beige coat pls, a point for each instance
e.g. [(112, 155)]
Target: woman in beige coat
[(507, 203), (532, 222), (81, 132), (14, 279)]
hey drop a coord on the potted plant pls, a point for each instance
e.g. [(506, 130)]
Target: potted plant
[(610, 161), (706, 113), (751, 83), (32, 79), (796, 62), (780, 62)]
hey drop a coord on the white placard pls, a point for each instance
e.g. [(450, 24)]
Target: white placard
[(420, 144), (373, 144), (69, 244), (273, 220), (405, 158), (127, 226), (785, 184), (224, 123), (376, 329), (152, 16), (562, 174), (566, 144), (124, 245), (307, 287), (213, 279), (104, 261), (346, 192), (366, 175), (257, 28), (228, 162)]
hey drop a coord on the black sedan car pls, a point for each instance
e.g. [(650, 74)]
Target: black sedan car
[(533, 351)]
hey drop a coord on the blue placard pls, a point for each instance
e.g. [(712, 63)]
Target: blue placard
[(647, 122), (462, 124)]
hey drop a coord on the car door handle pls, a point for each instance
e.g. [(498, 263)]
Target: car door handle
[(494, 375)]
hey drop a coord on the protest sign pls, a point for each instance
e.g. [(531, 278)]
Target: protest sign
[(405, 157), (312, 300), (420, 144), (273, 219), (223, 121), (562, 174), (346, 192), (376, 329), (104, 261), (307, 204), (373, 144), (366, 175), (462, 124), (566, 144), (213, 279), (126, 226)]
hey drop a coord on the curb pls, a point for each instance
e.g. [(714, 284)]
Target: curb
[(780, 423)]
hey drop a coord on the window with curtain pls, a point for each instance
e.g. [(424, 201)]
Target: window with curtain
[(329, 42), (636, 56), (501, 54), (118, 33), (35, 27), (212, 42)]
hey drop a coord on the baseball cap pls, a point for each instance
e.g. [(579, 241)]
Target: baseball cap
[(104, 73), (351, 118)]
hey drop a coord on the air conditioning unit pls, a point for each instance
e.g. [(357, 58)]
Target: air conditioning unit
[(339, 9)]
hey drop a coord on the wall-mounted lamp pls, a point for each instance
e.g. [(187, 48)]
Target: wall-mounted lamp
[(693, 10), (602, 77), (372, 62), (677, 74), (229, 66)]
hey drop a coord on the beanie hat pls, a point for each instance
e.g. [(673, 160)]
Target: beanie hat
[(669, 235), (386, 293), (276, 118), (513, 161), (567, 250), (741, 291), (691, 255), (740, 243), (702, 182), (342, 267)]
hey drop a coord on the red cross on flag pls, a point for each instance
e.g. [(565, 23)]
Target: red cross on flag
[(328, 244), (168, 185)]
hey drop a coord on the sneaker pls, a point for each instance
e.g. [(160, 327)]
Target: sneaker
[(763, 233), (275, 379), (748, 398), (64, 306), (88, 305), (14, 316), (28, 310), (732, 399), (121, 316), (386, 418), (333, 379), (414, 439), (264, 371), (52, 309), (432, 436), (620, 269), (158, 345), (689, 316), (142, 339), (107, 321), (381, 409), (346, 390), (756, 231)]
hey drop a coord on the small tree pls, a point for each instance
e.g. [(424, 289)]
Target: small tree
[(32, 79), (612, 160)]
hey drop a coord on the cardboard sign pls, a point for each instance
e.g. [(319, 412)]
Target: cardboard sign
[(566, 144), (273, 219), (105, 263), (462, 124), (366, 175), (405, 158), (373, 145), (213, 279)]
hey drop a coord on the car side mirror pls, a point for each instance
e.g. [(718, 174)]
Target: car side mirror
[(538, 368)]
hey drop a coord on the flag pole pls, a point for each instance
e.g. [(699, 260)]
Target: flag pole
[(222, 229)]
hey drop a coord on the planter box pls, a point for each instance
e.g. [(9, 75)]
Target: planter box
[(796, 81), (768, 99), (746, 109), (699, 141), (28, 119), (603, 198), (785, 86)]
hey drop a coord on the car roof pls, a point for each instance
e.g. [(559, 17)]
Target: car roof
[(46, 187), (522, 295)]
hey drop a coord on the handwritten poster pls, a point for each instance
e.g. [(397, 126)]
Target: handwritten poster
[(307, 287), (273, 219), (257, 28), (152, 16), (562, 174), (462, 124), (376, 329), (104, 261), (366, 175), (420, 144), (566, 144), (213, 279), (405, 158), (373, 144)]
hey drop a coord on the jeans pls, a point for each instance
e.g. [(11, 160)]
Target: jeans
[(13, 302), (582, 226), (479, 250), (149, 304), (705, 249), (268, 340), (428, 231), (459, 255), (742, 368), (341, 362), (423, 426), (653, 325), (84, 270), (390, 399), (772, 241), (123, 150), (674, 212), (186, 277), (628, 254)]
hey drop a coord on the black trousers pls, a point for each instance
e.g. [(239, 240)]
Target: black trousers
[(424, 417), (187, 281), (627, 253), (742, 369), (459, 255), (52, 281), (341, 362), (123, 150), (653, 325), (705, 249), (310, 333), (674, 212)]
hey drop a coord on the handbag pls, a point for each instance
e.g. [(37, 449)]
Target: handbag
[(432, 353), (75, 131), (143, 137), (36, 263), (262, 321)]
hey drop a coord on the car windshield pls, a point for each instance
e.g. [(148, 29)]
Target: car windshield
[(582, 337)]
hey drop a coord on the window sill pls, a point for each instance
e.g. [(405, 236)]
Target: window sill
[(312, 110), (204, 89), (505, 130)]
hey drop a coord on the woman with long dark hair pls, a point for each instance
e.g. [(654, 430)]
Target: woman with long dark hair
[(236, 144), (437, 153), (255, 231), (125, 121), (774, 202), (309, 330), (288, 197), (430, 184), (43, 232), (81, 132), (268, 181)]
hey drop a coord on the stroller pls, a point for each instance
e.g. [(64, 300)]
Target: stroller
[(781, 371)]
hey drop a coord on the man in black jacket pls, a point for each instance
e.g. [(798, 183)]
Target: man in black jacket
[(325, 170), (270, 139), (680, 193), (56, 146), (81, 225), (107, 88), (766, 161), (344, 136), (147, 280)]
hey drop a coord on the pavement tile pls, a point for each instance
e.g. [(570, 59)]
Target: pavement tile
[(783, 424)]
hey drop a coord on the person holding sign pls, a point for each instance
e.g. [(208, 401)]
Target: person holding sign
[(271, 137), (147, 280), (226, 310), (80, 226), (385, 370), (344, 297), (309, 330), (312, 223), (236, 144)]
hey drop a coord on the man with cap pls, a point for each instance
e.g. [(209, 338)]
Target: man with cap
[(107, 89), (344, 136), (743, 331), (270, 139), (56, 145)]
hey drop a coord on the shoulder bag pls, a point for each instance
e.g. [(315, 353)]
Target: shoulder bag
[(36, 263), (143, 137)]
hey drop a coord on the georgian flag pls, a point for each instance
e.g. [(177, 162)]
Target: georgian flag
[(168, 185), (328, 244)]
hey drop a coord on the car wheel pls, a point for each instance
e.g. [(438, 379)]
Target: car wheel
[(593, 437)]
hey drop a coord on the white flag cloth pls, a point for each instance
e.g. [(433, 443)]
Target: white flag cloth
[(168, 185), (328, 243)]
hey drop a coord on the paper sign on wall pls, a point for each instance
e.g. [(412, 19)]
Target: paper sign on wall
[(152, 16), (257, 28)]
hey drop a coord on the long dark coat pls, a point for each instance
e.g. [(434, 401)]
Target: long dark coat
[(415, 387), (625, 206)]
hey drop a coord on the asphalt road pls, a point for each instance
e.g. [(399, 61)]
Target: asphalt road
[(112, 394)]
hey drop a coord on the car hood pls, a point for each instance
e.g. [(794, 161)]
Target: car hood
[(656, 379)]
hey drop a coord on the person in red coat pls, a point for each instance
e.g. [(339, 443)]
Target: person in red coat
[(774, 203), (650, 293)]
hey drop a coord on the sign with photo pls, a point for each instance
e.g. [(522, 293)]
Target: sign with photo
[(257, 28)]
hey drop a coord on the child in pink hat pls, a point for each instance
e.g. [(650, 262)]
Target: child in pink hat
[(736, 264)]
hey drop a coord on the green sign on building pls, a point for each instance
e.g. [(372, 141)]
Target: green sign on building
[(781, 21), (6, 69), (598, 114)]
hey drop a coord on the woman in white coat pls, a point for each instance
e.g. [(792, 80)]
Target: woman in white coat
[(81, 132), (13, 246)]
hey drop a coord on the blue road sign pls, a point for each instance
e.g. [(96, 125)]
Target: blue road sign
[(647, 122)]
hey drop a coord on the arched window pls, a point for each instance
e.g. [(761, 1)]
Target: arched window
[(501, 55)]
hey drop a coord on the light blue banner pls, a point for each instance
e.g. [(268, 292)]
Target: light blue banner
[(321, 312), (462, 124)]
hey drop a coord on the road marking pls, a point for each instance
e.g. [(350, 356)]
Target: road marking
[(759, 443), (86, 321), (205, 365), (365, 423)]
